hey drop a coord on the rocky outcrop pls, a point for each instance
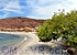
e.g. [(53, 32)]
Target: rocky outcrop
[(19, 24)]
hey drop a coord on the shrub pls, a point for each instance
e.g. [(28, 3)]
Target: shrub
[(60, 25)]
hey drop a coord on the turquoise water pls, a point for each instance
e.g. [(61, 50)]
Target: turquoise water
[(9, 39)]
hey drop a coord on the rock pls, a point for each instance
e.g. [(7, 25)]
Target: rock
[(71, 50)]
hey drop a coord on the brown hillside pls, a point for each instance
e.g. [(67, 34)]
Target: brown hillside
[(19, 24)]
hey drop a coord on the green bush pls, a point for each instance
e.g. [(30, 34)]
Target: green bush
[(60, 25)]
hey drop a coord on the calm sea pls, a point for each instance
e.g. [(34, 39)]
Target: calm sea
[(9, 39)]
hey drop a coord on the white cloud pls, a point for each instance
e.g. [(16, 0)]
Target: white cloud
[(13, 6), (46, 8), (10, 5), (43, 8), (44, 2), (37, 8)]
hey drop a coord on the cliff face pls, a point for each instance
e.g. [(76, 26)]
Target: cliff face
[(19, 24)]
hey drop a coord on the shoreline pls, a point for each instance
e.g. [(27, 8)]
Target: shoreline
[(29, 39), (26, 46)]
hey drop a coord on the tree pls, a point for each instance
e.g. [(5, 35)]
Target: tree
[(61, 25)]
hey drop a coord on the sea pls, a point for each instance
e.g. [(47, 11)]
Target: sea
[(7, 41)]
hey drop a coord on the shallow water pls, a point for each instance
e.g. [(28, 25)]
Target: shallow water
[(7, 40)]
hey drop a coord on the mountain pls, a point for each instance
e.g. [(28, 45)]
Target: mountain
[(19, 24)]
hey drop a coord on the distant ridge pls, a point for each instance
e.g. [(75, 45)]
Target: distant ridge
[(19, 24)]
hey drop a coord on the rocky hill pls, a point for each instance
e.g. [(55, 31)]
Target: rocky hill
[(19, 24)]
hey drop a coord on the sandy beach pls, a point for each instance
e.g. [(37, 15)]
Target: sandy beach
[(29, 39), (30, 45)]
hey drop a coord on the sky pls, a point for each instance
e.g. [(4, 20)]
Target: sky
[(37, 9)]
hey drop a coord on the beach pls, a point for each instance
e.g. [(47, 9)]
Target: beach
[(30, 45), (29, 39)]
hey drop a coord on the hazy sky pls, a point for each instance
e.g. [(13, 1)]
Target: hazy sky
[(42, 9)]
